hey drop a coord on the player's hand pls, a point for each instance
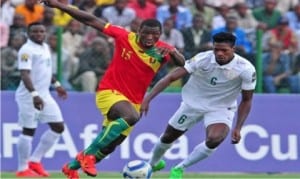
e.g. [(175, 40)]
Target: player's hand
[(236, 136), (144, 108), (50, 3), (62, 93), (163, 51), (38, 103)]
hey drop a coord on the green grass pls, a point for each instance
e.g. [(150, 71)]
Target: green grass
[(162, 175)]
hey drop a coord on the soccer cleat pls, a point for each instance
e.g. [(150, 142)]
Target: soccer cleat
[(159, 166), (87, 163), (28, 173), (176, 173), (38, 168), (71, 174)]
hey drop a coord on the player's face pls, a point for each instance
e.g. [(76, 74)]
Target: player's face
[(224, 52), (148, 36), (37, 33)]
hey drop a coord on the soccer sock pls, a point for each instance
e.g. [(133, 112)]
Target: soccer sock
[(199, 153), (24, 149), (75, 165), (99, 156), (158, 151), (112, 131), (47, 140)]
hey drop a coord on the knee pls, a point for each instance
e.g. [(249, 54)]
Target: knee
[(57, 127), (132, 119), (214, 141)]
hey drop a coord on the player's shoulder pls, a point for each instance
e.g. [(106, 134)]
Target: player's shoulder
[(115, 28), (243, 64), (206, 55), (26, 47)]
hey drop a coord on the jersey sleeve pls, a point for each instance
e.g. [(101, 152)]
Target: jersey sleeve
[(114, 31), (24, 59), (248, 79), (195, 62)]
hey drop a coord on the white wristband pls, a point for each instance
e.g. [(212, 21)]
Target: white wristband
[(57, 84), (34, 94)]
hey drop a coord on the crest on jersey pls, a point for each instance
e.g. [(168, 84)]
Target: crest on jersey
[(190, 60), (230, 74), (24, 57)]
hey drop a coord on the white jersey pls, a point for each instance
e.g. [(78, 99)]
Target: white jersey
[(37, 59), (212, 86)]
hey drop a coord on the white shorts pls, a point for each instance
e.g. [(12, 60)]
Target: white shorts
[(29, 117), (186, 117)]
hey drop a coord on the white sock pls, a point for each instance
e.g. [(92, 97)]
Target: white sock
[(24, 146), (199, 153), (158, 152), (47, 140)]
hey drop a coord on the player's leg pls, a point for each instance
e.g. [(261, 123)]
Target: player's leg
[(47, 140), (70, 169), (100, 154), (182, 119), (51, 115), (160, 148), (217, 126), (123, 116), (24, 147), (120, 115), (27, 119), (215, 133)]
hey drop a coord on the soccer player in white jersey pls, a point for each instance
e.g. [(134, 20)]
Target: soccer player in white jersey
[(217, 78), (35, 104)]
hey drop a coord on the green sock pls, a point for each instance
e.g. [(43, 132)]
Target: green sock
[(74, 165), (111, 132), (99, 156)]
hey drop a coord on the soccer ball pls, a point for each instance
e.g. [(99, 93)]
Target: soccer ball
[(137, 169)]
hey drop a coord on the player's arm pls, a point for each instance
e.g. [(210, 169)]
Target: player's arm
[(79, 15), (248, 85), (177, 57), (37, 100), (174, 75), (243, 111), (25, 77)]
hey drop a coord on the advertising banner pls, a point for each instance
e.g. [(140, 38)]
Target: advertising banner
[(270, 137)]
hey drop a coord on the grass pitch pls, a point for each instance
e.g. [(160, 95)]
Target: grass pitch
[(163, 175)]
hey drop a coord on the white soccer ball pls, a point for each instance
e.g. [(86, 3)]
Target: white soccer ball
[(137, 169)]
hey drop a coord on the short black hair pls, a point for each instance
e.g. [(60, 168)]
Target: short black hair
[(33, 24), (224, 37), (151, 23)]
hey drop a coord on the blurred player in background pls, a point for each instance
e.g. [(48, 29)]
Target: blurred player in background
[(137, 58), (35, 103), (217, 78)]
